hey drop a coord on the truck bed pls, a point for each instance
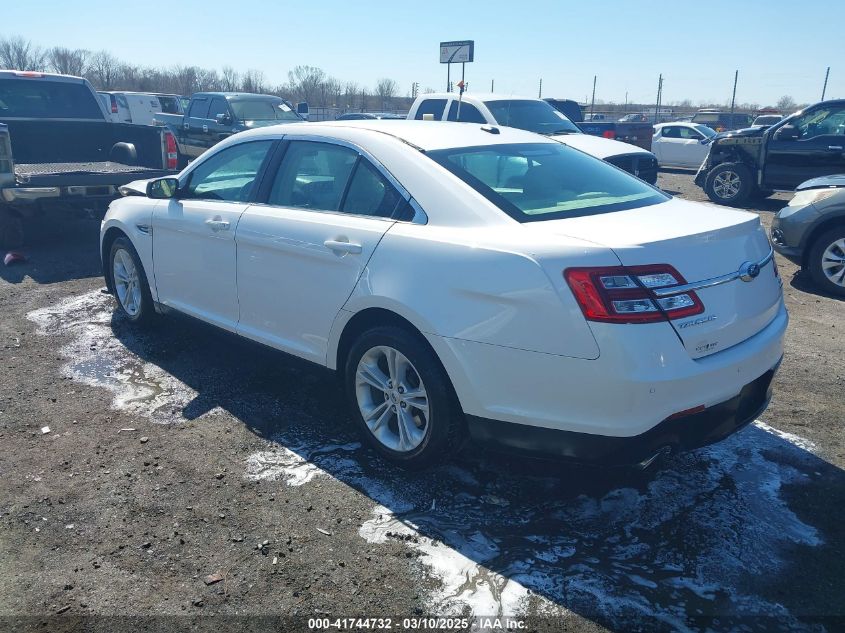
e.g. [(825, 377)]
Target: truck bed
[(85, 174)]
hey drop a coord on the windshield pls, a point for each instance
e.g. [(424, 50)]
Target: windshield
[(708, 132), (534, 116), (263, 110), (546, 181)]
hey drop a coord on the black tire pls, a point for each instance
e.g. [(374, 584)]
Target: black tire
[(445, 428), (816, 254), (729, 176), (145, 313)]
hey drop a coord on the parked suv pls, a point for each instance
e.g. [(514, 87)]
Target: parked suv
[(722, 121)]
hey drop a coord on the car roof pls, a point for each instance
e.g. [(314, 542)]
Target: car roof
[(479, 96), (234, 95), (423, 135)]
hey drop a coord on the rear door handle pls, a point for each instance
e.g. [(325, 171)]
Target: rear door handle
[(835, 148), (343, 247), (217, 224)]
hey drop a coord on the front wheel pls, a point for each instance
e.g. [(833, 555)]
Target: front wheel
[(130, 282), (826, 261), (402, 399), (729, 183)]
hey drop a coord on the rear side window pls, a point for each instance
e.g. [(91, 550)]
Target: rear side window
[(431, 106), (199, 108), (313, 176), (230, 174), (370, 193), (169, 105), (546, 181), (33, 98), (466, 113)]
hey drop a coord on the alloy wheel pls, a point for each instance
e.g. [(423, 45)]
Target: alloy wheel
[(833, 262), (392, 399), (726, 184), (127, 282)]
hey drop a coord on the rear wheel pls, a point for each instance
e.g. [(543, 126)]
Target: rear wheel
[(130, 282), (403, 402), (729, 183), (826, 261)]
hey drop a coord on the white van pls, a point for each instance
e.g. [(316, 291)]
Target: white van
[(139, 107)]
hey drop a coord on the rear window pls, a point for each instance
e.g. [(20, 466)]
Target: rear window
[(434, 107), (546, 181), (31, 98), (528, 114)]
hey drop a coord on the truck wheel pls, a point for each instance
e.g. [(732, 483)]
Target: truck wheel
[(11, 229), (826, 261), (729, 183)]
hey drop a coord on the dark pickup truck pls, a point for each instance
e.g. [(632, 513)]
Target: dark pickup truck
[(637, 133), (757, 161), (58, 151), (213, 116)]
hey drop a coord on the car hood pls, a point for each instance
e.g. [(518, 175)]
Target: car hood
[(598, 146), (823, 182), (744, 132)]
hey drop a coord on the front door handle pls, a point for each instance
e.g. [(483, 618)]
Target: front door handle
[(834, 148), (217, 224), (205, 129), (343, 247)]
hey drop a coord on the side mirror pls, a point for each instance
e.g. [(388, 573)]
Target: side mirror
[(163, 188), (787, 133), (223, 119)]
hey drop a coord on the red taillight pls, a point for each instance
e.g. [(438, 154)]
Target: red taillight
[(172, 151), (113, 104), (28, 73), (609, 134), (623, 294)]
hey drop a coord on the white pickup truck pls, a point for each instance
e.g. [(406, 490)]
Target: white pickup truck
[(534, 115)]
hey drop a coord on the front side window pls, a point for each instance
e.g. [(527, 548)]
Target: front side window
[(431, 106), (821, 122), (218, 107), (672, 131), (313, 176), (229, 174), (534, 116), (546, 181), (263, 110), (466, 113)]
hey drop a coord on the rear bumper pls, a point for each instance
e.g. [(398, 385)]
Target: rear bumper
[(678, 434)]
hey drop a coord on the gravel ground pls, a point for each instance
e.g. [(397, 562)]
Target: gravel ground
[(187, 473)]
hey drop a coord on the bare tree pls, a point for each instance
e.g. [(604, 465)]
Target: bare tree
[(253, 81), (350, 95), (386, 89), (304, 83), (17, 53), (230, 80), (67, 61), (103, 70), (786, 104)]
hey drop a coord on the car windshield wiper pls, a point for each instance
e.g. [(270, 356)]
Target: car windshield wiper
[(557, 132)]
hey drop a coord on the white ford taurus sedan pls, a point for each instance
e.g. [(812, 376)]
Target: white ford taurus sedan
[(466, 281)]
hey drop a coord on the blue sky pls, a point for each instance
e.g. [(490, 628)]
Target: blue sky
[(696, 45)]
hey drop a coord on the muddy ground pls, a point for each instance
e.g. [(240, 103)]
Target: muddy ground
[(183, 452)]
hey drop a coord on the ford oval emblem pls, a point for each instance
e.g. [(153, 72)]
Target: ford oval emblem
[(749, 271)]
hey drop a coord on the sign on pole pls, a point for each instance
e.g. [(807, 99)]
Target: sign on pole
[(457, 52)]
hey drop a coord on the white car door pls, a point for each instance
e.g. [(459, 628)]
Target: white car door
[(194, 234), (301, 253), (680, 146)]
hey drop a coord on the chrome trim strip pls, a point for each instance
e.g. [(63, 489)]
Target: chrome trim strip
[(709, 283)]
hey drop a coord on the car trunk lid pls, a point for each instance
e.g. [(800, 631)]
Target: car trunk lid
[(705, 244)]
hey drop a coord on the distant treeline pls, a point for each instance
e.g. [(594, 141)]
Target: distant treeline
[(107, 72)]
